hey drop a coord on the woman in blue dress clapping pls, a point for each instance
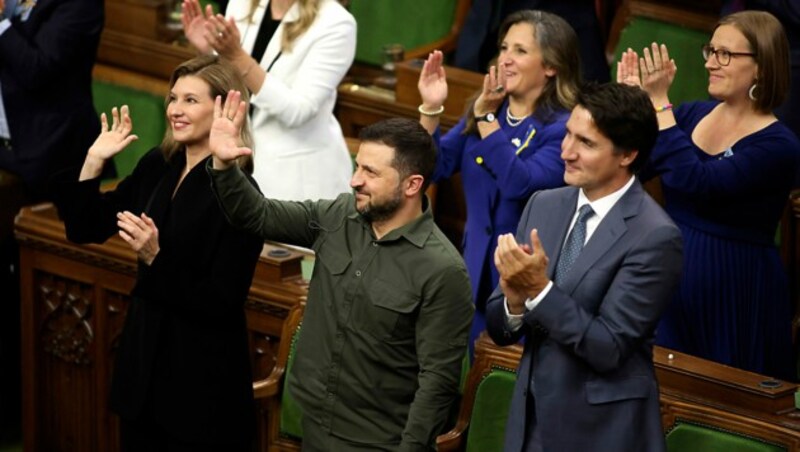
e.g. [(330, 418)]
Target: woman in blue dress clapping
[(726, 168)]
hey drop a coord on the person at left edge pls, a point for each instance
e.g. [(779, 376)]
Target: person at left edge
[(47, 121), (47, 50), (182, 378), (389, 307)]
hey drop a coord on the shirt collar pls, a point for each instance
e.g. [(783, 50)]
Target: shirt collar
[(416, 232), (603, 205)]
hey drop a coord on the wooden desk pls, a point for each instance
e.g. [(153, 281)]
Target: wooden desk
[(692, 390), (74, 299)]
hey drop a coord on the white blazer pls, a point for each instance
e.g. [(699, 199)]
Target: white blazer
[(300, 150)]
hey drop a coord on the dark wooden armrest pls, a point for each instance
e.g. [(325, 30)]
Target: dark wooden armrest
[(271, 386), (454, 439)]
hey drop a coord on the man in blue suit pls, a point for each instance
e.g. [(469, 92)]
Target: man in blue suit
[(47, 123), (585, 280)]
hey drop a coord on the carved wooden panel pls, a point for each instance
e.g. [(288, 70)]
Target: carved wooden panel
[(74, 300)]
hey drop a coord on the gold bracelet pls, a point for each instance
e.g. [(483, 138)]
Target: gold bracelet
[(424, 112), (250, 68)]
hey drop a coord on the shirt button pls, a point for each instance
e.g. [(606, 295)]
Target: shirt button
[(374, 243), (358, 273), (330, 395), (479, 160)]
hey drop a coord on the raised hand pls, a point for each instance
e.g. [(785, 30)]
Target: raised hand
[(432, 83), (224, 141), (657, 71), (111, 141), (628, 69), (224, 37), (194, 21), (141, 234), (494, 91)]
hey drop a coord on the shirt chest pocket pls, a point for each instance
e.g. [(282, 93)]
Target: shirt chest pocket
[(391, 313)]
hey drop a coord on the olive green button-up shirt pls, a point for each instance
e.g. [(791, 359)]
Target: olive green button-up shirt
[(387, 320)]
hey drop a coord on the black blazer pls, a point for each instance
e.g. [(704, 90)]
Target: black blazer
[(183, 354), (46, 75)]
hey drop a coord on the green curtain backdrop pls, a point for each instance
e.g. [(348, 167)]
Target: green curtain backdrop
[(411, 23)]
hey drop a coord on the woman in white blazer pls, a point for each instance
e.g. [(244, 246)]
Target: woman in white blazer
[(293, 54)]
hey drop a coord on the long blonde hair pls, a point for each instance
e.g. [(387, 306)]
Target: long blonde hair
[(292, 30), (221, 78)]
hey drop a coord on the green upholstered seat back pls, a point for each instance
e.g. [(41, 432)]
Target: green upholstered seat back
[(147, 114), (487, 426), (690, 437), (291, 415), (684, 44), (411, 23)]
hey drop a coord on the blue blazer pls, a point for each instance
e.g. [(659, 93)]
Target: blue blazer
[(498, 178), (592, 335), (46, 78)]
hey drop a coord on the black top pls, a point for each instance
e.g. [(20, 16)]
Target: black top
[(183, 349), (265, 32)]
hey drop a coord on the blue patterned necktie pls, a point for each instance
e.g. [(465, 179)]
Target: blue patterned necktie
[(574, 243)]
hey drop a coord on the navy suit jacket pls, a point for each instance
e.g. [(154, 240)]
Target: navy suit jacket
[(46, 64), (589, 342)]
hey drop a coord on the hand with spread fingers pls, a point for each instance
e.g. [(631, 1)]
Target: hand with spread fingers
[(225, 138), (522, 269), (194, 19), (141, 234), (494, 92), (111, 141)]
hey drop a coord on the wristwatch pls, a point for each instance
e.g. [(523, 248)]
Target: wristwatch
[(488, 117)]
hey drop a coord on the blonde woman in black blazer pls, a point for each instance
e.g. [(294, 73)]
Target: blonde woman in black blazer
[(182, 377)]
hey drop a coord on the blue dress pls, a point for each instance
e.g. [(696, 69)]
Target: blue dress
[(733, 304), (499, 174)]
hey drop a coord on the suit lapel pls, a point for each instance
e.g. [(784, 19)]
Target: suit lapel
[(608, 232)]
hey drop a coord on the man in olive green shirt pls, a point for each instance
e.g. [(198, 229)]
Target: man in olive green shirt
[(389, 306)]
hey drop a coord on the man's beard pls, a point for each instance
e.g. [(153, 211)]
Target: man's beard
[(383, 211)]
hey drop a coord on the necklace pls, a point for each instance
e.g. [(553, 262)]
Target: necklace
[(512, 120)]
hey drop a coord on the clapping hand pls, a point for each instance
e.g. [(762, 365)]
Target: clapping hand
[(628, 69), (522, 269), (225, 142), (224, 37), (141, 234), (194, 24), (654, 72), (494, 91)]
